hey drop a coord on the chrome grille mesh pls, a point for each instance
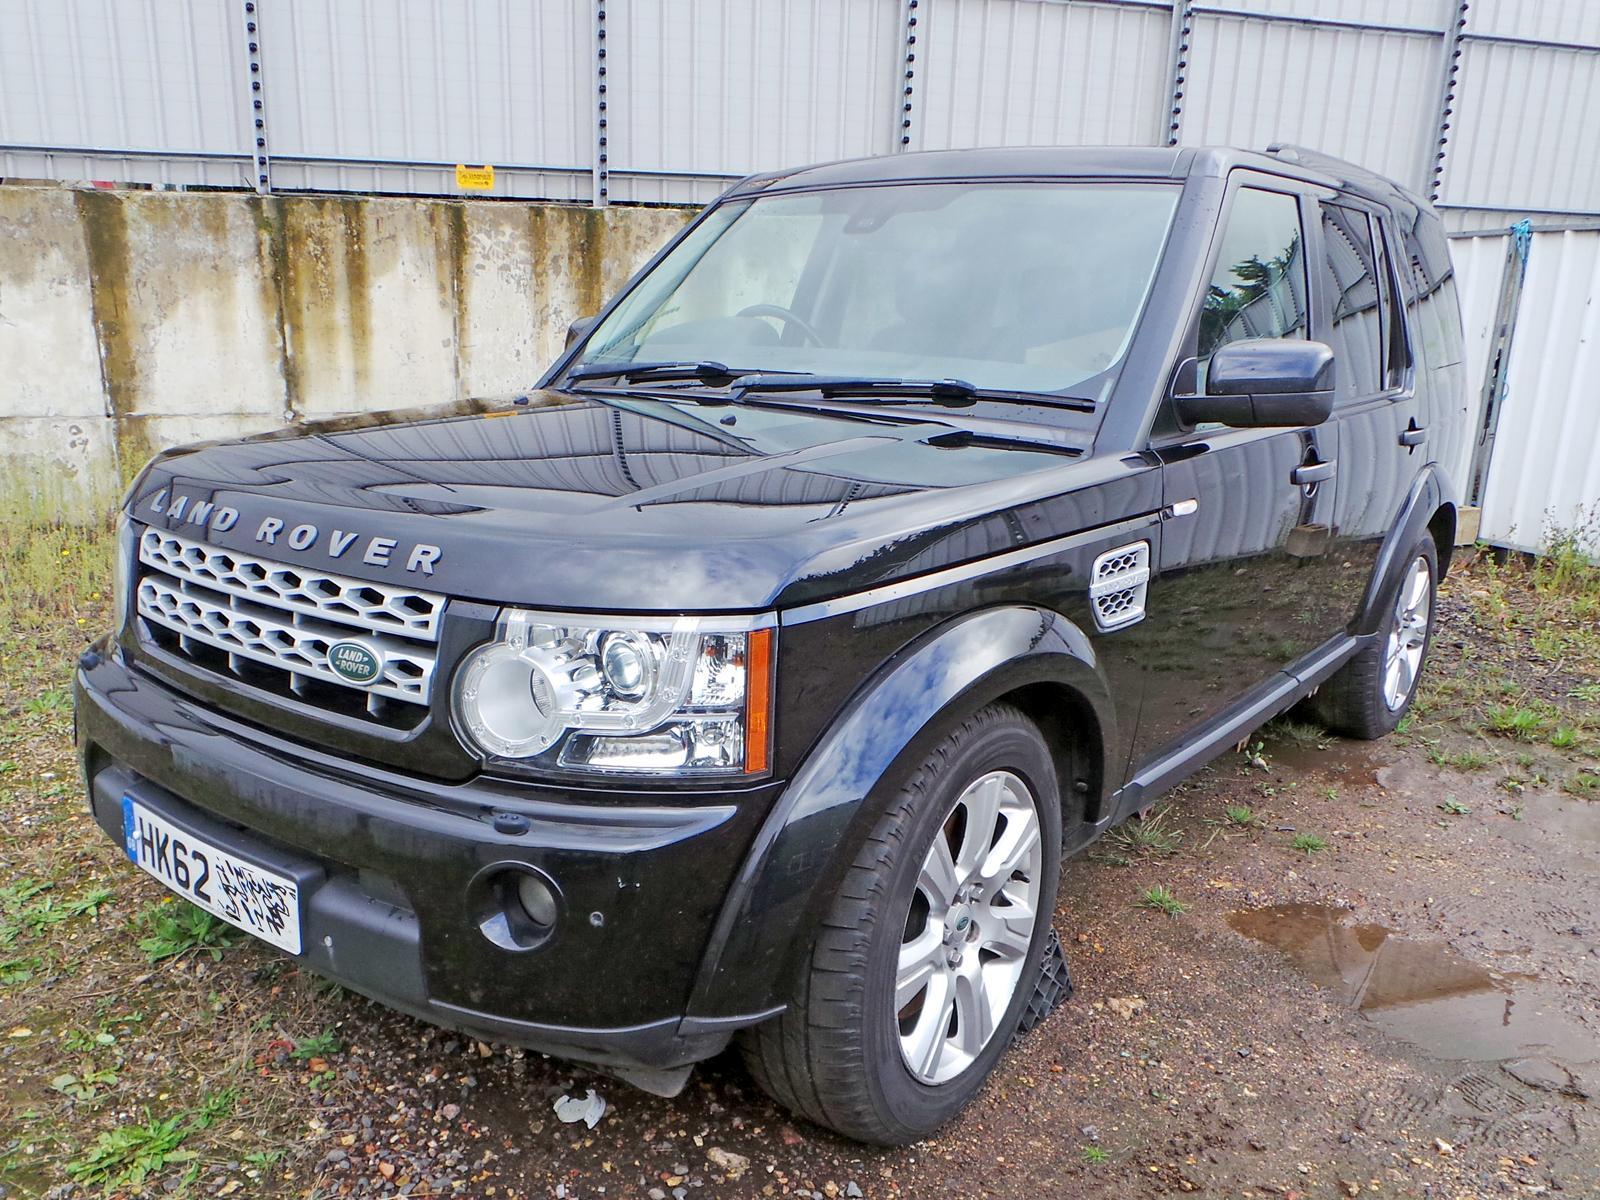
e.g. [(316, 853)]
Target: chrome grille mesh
[(287, 617)]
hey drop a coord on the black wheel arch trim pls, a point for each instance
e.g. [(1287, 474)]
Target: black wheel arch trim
[(795, 862), (1431, 495)]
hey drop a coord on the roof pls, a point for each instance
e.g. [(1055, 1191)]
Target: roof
[(1065, 162)]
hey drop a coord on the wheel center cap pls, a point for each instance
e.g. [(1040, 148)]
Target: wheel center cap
[(958, 925)]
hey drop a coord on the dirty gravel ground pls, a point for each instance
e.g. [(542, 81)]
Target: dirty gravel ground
[(1411, 1010)]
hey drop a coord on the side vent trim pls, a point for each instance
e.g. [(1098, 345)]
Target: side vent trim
[(1117, 585)]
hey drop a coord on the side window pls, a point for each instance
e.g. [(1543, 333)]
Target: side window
[(1258, 289), (1355, 332), (1396, 339)]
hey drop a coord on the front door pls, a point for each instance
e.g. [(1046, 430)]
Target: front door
[(1244, 583)]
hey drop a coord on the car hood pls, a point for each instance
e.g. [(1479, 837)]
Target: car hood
[(619, 504)]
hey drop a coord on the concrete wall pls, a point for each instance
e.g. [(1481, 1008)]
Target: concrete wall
[(130, 321)]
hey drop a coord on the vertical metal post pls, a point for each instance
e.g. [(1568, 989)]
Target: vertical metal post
[(261, 160), (1498, 365), (601, 182), (1178, 67), (910, 14), (1449, 72)]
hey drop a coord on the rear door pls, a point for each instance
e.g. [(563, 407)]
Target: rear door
[(1381, 441), (1242, 586)]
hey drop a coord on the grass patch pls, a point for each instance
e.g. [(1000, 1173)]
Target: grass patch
[(129, 1154), (1309, 843), (1301, 733), (1585, 785), (1094, 1155), (1162, 899), (1241, 815), (318, 1045), (176, 927), (1454, 807), (1152, 835)]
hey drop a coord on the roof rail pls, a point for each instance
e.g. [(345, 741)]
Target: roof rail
[(1306, 156)]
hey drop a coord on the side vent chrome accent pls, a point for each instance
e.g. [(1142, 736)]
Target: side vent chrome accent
[(1117, 585)]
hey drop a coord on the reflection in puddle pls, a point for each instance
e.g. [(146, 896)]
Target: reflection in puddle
[(1420, 992)]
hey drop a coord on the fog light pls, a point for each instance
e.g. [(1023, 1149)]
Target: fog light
[(538, 901)]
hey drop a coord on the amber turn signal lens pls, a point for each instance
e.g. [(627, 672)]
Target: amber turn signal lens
[(758, 702)]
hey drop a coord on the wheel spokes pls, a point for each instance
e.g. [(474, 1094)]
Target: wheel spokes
[(974, 1013), (920, 959), (924, 1045), (938, 878)]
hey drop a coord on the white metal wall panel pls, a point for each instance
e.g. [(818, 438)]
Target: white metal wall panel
[(717, 88), (1545, 473), (158, 78), (1041, 73), (398, 82), (1413, 14), (1573, 21), (1358, 94), (1525, 116), (1478, 262)]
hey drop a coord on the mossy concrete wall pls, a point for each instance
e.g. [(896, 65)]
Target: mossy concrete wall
[(130, 321)]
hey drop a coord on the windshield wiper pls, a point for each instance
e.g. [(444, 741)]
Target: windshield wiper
[(703, 371), (954, 392)]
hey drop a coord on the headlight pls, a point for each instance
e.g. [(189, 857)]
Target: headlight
[(671, 696)]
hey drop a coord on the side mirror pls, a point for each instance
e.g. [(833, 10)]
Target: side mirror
[(580, 327), (1264, 382)]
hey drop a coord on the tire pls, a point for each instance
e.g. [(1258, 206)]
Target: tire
[(1367, 697), (838, 1056)]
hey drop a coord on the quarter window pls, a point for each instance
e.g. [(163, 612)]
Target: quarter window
[(1356, 328), (1258, 288)]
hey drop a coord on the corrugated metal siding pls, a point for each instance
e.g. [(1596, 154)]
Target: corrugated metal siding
[(100, 78), (392, 94), (1545, 473), (1358, 94), (1479, 264), (1423, 14), (1576, 21), (713, 88), (1036, 72), (1527, 111)]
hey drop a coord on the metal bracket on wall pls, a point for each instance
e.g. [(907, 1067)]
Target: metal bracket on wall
[(1178, 67), (1498, 363), (909, 22), (602, 157), (261, 161), (1449, 73)]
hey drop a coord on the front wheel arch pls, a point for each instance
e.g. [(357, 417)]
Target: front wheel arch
[(796, 861)]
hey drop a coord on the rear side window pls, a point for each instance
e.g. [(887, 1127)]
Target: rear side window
[(1258, 288), (1396, 342), (1356, 328)]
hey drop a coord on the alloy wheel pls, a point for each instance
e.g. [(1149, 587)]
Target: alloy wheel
[(972, 918), (1413, 609)]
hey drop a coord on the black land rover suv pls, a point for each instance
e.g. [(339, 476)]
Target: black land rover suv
[(903, 526)]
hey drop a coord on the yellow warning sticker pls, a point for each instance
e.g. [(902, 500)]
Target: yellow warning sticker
[(474, 179)]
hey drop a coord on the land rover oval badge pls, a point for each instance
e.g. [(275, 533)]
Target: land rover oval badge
[(355, 662)]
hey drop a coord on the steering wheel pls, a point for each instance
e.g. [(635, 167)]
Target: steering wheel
[(788, 317)]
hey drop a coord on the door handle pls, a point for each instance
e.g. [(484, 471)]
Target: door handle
[(1312, 472), (1414, 436)]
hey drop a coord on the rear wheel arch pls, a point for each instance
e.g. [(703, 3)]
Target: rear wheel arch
[(1442, 525)]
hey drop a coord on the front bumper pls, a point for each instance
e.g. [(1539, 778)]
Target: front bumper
[(390, 869)]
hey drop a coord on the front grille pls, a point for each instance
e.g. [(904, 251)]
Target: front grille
[(272, 625)]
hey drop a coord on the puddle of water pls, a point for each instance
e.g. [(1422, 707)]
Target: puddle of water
[(1418, 991)]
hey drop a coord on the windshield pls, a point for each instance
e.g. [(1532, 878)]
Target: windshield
[(1023, 286)]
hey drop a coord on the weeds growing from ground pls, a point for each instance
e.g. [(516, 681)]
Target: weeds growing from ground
[(1309, 843), (1152, 835), (176, 927), (1162, 899)]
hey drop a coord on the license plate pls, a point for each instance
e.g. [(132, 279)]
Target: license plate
[(255, 899)]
